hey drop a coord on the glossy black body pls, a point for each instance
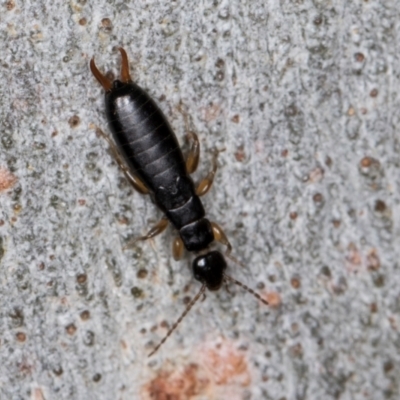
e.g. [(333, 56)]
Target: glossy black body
[(209, 269), (149, 146)]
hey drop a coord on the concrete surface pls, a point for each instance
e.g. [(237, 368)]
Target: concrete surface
[(303, 95)]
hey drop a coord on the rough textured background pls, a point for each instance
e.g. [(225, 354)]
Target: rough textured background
[(304, 97)]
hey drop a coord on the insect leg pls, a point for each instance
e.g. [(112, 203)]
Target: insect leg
[(220, 237), (137, 184), (192, 160), (154, 231), (205, 185), (177, 248)]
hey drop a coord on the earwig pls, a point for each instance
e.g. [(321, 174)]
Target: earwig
[(147, 151)]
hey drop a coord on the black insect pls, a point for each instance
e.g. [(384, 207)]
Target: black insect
[(149, 154)]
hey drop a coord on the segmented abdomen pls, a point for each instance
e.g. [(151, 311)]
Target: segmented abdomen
[(144, 137)]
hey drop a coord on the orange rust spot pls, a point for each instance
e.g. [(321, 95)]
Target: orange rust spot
[(274, 299), (21, 337), (220, 372), (366, 162), (176, 385), (225, 363), (7, 179)]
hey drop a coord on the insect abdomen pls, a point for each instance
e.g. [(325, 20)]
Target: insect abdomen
[(144, 136)]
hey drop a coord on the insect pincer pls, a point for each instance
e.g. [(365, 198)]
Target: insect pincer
[(106, 83)]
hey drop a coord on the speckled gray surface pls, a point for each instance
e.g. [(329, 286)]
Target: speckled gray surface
[(304, 97)]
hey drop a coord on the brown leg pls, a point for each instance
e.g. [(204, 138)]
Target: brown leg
[(177, 248), (205, 185), (192, 160), (137, 184), (154, 231), (220, 237)]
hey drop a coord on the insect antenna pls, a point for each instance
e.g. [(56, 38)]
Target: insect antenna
[(235, 260), (245, 287), (189, 306)]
